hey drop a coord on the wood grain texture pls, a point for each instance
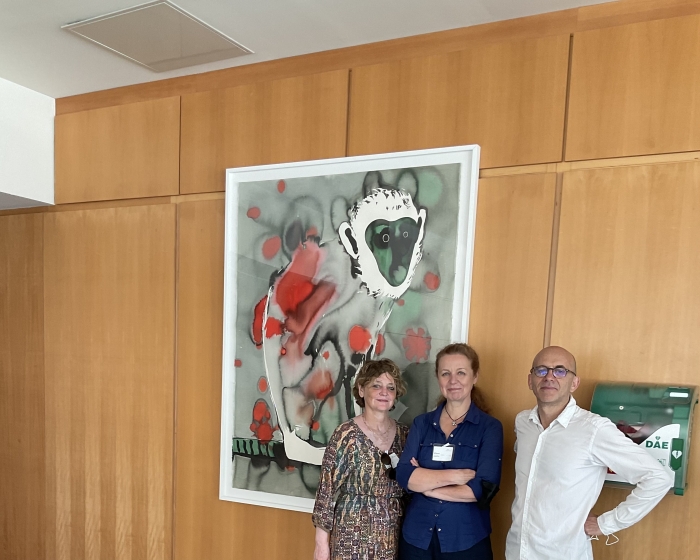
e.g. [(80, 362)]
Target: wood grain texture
[(622, 12), (542, 25), (634, 90), (109, 339), (508, 305), (295, 119), (206, 527), (22, 464), (129, 151), (626, 303), (507, 97)]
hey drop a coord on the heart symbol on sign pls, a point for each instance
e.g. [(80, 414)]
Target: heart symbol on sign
[(676, 453)]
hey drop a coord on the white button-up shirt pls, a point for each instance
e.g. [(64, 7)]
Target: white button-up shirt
[(559, 473)]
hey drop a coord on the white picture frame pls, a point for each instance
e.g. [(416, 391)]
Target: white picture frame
[(239, 181)]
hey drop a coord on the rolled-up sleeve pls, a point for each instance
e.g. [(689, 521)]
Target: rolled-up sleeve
[(490, 458), (405, 469), (617, 452)]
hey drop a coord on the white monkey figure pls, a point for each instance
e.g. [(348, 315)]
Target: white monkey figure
[(324, 312)]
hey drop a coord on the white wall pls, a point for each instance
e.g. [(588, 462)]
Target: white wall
[(26, 146)]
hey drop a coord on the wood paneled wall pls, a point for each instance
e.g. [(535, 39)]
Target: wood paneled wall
[(476, 96), (294, 119), (110, 326), (130, 151), (22, 443), (109, 304)]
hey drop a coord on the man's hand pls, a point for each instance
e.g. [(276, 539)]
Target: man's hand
[(590, 527)]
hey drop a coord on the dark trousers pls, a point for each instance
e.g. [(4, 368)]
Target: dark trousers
[(480, 551)]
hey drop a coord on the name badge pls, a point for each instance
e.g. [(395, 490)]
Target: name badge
[(443, 452)]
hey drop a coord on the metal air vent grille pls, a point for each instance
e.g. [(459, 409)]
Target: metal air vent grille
[(158, 35)]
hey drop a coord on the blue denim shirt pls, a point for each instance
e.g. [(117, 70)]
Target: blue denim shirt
[(478, 443)]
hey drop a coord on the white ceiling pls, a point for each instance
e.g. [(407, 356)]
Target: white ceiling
[(36, 53)]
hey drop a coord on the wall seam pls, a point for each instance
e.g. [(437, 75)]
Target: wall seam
[(556, 218), (175, 372), (347, 114)]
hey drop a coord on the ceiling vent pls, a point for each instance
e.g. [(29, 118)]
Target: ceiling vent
[(158, 35)]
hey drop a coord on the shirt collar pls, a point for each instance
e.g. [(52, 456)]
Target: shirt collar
[(564, 417), (473, 414)]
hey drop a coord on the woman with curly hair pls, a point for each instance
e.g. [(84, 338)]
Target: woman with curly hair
[(358, 503)]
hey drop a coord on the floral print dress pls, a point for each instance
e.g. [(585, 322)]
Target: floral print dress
[(357, 502)]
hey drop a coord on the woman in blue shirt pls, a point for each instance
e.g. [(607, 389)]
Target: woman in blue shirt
[(452, 466)]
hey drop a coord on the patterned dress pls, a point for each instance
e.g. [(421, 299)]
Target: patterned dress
[(356, 502)]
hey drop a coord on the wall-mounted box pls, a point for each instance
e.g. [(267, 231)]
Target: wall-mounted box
[(657, 417)]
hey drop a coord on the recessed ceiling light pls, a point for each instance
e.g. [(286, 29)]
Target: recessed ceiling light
[(158, 35)]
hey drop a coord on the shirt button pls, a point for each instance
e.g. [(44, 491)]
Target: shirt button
[(451, 435), (439, 529), (430, 529), (440, 501), (436, 515)]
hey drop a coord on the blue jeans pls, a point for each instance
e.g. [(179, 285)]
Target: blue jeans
[(480, 551)]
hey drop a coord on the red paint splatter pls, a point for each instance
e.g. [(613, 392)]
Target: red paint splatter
[(283, 351), (400, 302), (416, 345), (290, 468), (261, 426), (431, 281), (253, 212), (381, 344), (359, 339), (237, 363), (261, 412), (320, 384), (300, 299), (273, 327), (257, 327), (281, 185), (271, 247), (326, 355), (262, 384), (315, 426), (264, 432), (312, 232)]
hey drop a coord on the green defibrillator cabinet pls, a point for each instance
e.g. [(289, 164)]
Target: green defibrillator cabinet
[(657, 417)]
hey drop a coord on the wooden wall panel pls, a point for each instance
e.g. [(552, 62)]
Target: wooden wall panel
[(22, 466), (508, 97), (129, 151), (635, 89), (295, 119), (109, 343), (508, 305), (206, 527), (626, 304)]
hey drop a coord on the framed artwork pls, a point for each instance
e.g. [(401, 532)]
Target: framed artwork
[(329, 263)]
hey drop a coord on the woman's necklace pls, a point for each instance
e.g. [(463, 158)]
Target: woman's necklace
[(381, 436), (455, 421)]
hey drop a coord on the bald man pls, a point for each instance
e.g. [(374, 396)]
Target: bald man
[(562, 455)]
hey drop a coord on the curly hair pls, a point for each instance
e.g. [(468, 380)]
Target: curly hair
[(468, 352), (372, 369)]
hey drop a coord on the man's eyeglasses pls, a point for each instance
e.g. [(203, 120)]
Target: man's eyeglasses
[(557, 371), (386, 463)]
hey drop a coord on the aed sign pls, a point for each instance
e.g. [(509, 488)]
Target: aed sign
[(662, 445)]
